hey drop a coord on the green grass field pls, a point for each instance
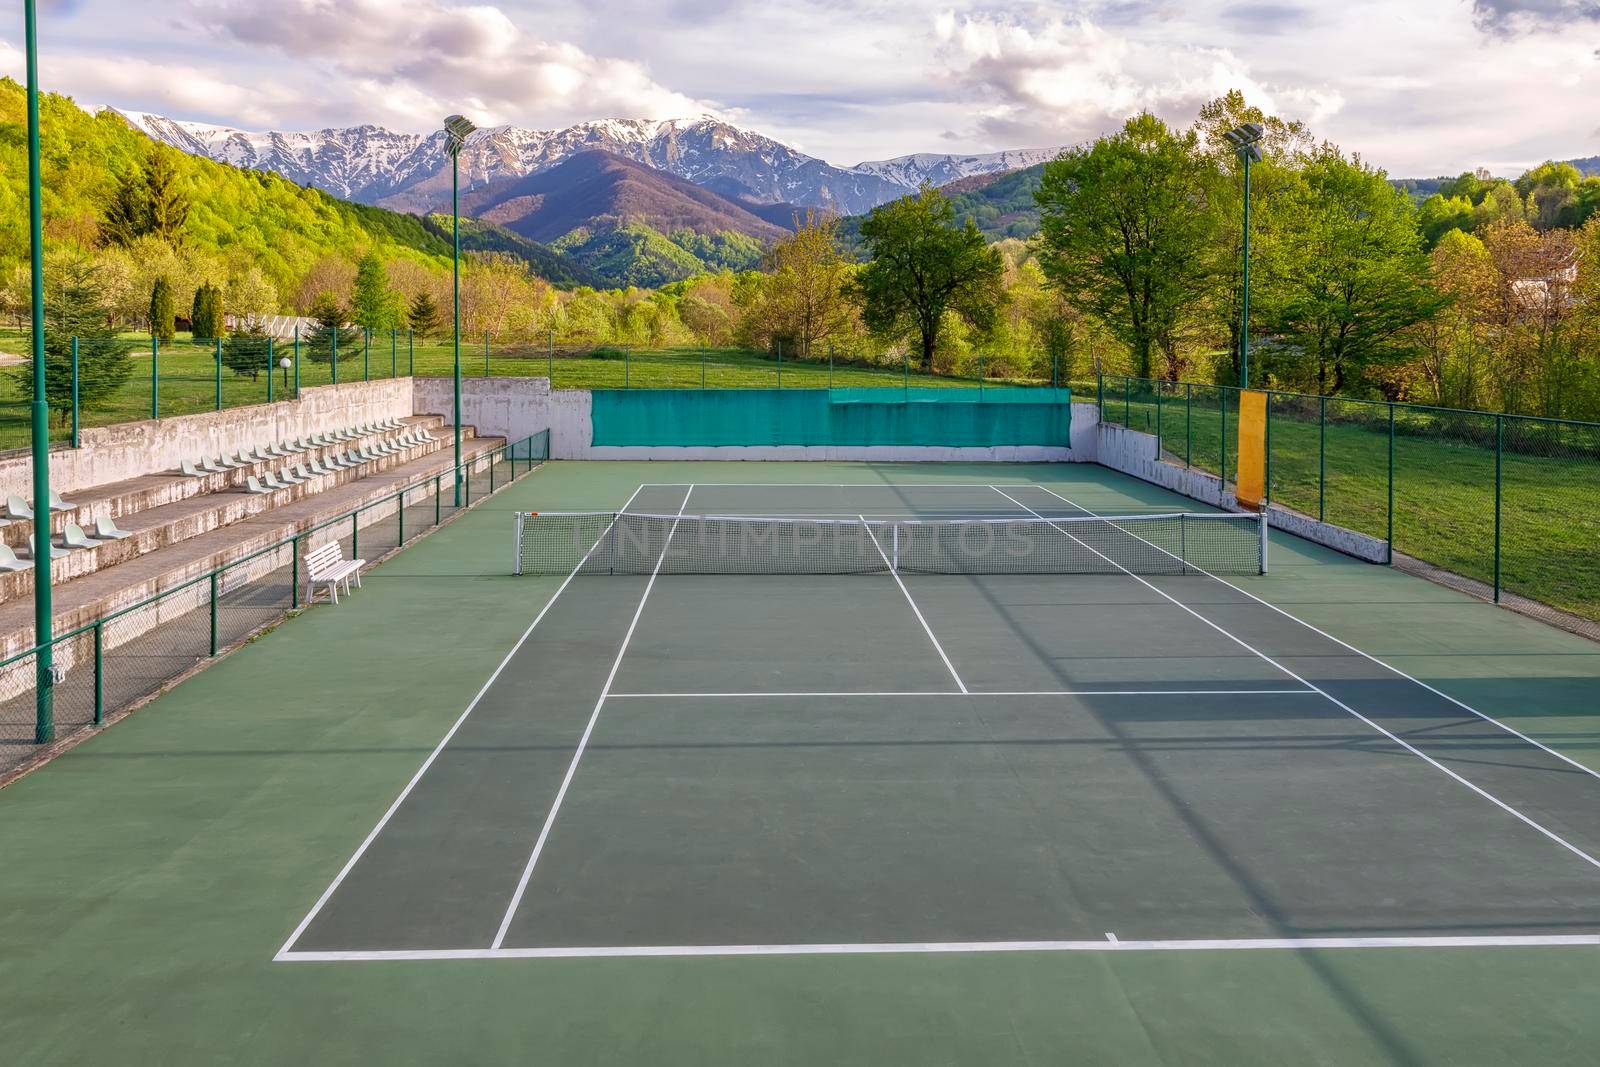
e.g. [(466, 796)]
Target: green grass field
[(1444, 486)]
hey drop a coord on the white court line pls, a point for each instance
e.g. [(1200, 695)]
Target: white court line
[(1408, 746), (951, 667), (583, 742), (415, 778), (990, 693), (1513, 731), (890, 948)]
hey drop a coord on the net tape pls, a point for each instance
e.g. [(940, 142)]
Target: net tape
[(633, 543)]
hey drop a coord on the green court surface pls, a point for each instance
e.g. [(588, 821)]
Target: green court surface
[(1331, 814)]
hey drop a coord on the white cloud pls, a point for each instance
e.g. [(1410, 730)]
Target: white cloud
[(11, 62), (412, 61)]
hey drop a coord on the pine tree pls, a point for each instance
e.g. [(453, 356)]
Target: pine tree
[(206, 320), (372, 305), (168, 205), (219, 325), (162, 313), (75, 306), (424, 315), (246, 353), (328, 319), (127, 217)]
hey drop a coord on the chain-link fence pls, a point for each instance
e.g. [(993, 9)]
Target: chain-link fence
[(1498, 505), (123, 657)]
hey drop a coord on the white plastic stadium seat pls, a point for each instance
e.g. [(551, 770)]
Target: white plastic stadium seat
[(57, 504), (106, 529), (17, 508), (253, 486), (190, 470), (33, 550), (72, 536), (10, 562)]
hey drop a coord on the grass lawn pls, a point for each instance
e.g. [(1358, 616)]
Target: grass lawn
[(1444, 486)]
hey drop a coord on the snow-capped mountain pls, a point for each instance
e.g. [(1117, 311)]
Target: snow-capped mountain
[(936, 169), (408, 172)]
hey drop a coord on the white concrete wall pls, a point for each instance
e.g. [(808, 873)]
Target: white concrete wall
[(1135, 453), (130, 449)]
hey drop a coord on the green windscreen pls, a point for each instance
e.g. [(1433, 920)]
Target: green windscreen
[(855, 417)]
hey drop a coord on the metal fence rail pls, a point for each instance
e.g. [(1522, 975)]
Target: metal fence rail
[(124, 656), (1510, 503)]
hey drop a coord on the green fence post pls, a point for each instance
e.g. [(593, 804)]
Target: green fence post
[(1127, 402), (1188, 422), (294, 571), (1100, 392), (297, 361), (155, 377), (980, 377), (1389, 550), (627, 365), (830, 364), (491, 474), (550, 360), (1222, 457), (1055, 371), (270, 369), (702, 367), (1322, 457), (436, 500), (74, 390), (366, 355), (213, 613), (334, 333), (411, 352), (400, 509), (355, 533), (1499, 451), (216, 357), (780, 364), (486, 353), (905, 375), (99, 674), (1160, 446)]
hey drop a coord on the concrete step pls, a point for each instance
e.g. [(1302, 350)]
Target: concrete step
[(102, 592), (154, 528)]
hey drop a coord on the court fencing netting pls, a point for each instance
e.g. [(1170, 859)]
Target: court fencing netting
[(633, 543)]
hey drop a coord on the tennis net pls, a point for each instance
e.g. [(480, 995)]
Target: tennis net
[(634, 543)]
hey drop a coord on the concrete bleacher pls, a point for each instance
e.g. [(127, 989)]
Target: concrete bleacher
[(182, 527), (167, 507)]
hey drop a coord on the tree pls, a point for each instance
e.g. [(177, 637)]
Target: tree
[(166, 203), (162, 312), (328, 325), (1128, 234), (206, 321), (246, 353), (804, 296), (922, 266), (127, 216), (372, 305), (423, 315), (74, 306), (1350, 279)]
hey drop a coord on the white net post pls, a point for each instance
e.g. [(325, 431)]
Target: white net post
[(516, 562), (1263, 534)]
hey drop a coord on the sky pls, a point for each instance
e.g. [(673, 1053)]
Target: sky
[(1419, 87)]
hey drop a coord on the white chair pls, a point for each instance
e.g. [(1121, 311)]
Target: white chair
[(270, 480), (211, 466), (275, 451), (288, 477), (301, 472), (190, 470), (57, 504), (327, 566), (9, 560), (17, 508), (297, 445), (234, 460), (33, 549), (253, 486), (105, 528), (72, 536)]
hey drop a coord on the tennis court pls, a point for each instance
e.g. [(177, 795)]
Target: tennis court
[(1102, 744)]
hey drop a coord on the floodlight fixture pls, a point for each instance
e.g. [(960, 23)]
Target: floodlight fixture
[(456, 130)]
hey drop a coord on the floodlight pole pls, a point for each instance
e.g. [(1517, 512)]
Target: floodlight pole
[(44, 727), (1244, 311), (455, 279)]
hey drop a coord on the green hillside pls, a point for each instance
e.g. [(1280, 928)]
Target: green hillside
[(638, 255), (477, 235), (1002, 206)]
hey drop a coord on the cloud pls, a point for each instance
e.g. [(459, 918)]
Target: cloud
[(1071, 79), (12, 64), (414, 60), (1515, 17)]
